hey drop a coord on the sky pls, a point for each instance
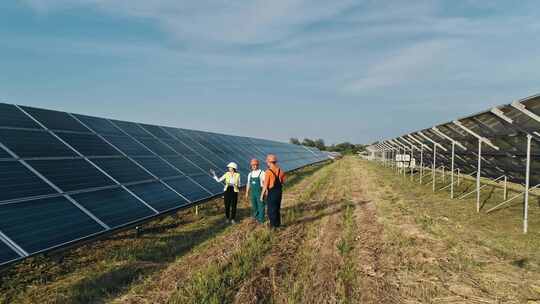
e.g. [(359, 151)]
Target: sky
[(339, 70)]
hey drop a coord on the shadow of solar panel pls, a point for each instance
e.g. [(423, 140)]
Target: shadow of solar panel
[(10, 116), (131, 128), (26, 143), (7, 254), (16, 181), (156, 146), (128, 146), (157, 167), (71, 174), (115, 207), (45, 223), (158, 196), (55, 120), (122, 169), (99, 125), (88, 144), (188, 189)]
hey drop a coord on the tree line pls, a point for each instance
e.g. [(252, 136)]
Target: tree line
[(343, 148)]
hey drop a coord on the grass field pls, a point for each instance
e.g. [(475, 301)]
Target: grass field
[(355, 232)]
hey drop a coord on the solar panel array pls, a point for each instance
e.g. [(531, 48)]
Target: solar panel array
[(67, 177), (503, 141)]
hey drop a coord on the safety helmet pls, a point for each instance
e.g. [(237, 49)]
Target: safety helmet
[(271, 158), (232, 165), (254, 162)]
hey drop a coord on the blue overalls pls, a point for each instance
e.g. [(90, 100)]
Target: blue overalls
[(257, 205), (274, 200)]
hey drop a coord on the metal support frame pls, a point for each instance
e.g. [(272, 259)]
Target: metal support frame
[(527, 184), (478, 175)]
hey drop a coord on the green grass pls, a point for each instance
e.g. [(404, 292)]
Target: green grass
[(481, 255)]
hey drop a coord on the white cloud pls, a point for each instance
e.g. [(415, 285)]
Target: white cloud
[(408, 64)]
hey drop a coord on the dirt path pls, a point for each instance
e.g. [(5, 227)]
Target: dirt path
[(220, 252)]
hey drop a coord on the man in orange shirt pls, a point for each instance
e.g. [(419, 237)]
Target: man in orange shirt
[(274, 178)]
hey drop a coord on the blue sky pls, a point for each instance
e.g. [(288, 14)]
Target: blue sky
[(341, 70)]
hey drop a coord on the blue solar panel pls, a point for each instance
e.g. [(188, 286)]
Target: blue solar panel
[(115, 207), (10, 116), (157, 167), (45, 223), (4, 154), (156, 131), (27, 143), (88, 144), (7, 254), (184, 165), (131, 128), (122, 169), (99, 125), (42, 219), (158, 196), (71, 174), (55, 120), (128, 146), (188, 189), (16, 181), (156, 146)]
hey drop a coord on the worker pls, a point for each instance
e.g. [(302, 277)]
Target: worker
[(274, 178), (232, 187), (255, 183)]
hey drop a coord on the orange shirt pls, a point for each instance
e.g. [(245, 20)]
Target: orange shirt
[(270, 178)]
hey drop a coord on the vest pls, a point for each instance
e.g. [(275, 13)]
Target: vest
[(236, 179)]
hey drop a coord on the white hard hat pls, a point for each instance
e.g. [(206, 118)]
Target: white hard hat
[(232, 165)]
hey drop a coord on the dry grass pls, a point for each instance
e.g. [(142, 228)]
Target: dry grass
[(443, 251)]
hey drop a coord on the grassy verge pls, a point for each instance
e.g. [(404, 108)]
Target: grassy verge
[(348, 273), (219, 283), (445, 251)]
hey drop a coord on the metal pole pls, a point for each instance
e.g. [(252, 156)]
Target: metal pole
[(421, 163), (458, 176), (410, 162), (452, 176), (478, 176), (433, 167), (443, 174), (505, 194), (527, 182), (196, 210)]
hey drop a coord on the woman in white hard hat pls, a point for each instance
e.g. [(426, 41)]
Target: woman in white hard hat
[(232, 187)]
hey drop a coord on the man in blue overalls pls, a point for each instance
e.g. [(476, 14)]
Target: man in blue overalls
[(255, 183), (274, 178)]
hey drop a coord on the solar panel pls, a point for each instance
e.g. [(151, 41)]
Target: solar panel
[(11, 116), (115, 207), (128, 145), (71, 174), (122, 169), (66, 177), (55, 120), (45, 223), (17, 181), (34, 143), (158, 196), (88, 144)]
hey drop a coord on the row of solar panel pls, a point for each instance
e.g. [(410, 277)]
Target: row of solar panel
[(505, 127), (67, 177)]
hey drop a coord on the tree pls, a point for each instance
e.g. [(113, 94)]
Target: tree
[(294, 141), (319, 144)]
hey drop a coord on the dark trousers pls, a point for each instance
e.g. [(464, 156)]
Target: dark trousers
[(231, 200), (273, 201)]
